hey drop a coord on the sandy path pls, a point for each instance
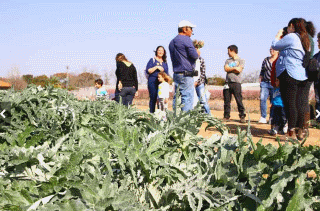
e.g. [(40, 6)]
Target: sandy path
[(258, 131)]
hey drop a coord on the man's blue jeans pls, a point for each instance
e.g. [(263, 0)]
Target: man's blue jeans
[(201, 92), (186, 88), (265, 92)]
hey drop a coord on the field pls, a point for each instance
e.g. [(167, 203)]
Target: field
[(62, 153)]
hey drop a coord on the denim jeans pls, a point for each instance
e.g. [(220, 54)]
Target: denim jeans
[(153, 93), (201, 92), (265, 92), (278, 116), (186, 88), (127, 95)]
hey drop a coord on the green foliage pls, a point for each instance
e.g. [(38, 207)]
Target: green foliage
[(59, 153), (27, 78), (217, 81)]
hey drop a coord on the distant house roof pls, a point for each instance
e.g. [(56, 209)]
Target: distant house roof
[(4, 84)]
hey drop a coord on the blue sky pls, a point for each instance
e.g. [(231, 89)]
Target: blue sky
[(43, 37)]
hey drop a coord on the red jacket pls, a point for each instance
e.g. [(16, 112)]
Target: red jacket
[(273, 75)]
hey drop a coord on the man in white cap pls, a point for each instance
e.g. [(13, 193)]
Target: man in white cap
[(183, 56)]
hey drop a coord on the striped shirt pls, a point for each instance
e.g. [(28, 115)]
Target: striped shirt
[(202, 78), (266, 69)]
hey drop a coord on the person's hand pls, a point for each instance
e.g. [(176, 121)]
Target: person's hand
[(195, 84), (136, 94), (260, 79), (237, 69), (280, 32), (198, 51), (160, 68), (119, 85), (166, 100)]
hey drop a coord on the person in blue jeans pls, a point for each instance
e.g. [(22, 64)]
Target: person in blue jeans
[(200, 87), (265, 84), (154, 67), (127, 79), (183, 56)]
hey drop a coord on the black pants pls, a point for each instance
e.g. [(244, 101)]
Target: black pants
[(295, 96), (278, 117), (235, 90), (116, 95), (127, 95)]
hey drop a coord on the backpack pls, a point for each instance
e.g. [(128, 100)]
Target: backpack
[(312, 66)]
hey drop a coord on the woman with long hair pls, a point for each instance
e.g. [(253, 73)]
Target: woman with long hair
[(127, 80), (294, 83), (156, 65)]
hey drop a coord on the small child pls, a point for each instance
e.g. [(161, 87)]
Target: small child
[(278, 118), (100, 90), (163, 91)]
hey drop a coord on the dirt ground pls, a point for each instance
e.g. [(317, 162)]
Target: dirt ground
[(258, 131)]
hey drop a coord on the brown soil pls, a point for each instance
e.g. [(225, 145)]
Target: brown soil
[(258, 131)]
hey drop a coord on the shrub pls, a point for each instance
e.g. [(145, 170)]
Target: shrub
[(84, 79), (28, 78), (41, 80), (217, 81), (17, 83)]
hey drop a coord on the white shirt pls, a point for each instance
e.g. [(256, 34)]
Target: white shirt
[(163, 90)]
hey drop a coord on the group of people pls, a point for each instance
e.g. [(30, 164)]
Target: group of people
[(283, 77), (188, 77)]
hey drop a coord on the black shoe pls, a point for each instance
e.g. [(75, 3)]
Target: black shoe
[(243, 119), (226, 119)]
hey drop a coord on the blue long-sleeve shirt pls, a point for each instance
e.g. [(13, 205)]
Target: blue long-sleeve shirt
[(153, 62), (290, 57), (183, 54)]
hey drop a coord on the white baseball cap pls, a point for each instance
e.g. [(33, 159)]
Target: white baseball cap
[(185, 23)]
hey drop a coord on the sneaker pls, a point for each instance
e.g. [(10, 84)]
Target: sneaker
[(273, 132), (285, 128), (243, 119), (263, 120), (226, 119)]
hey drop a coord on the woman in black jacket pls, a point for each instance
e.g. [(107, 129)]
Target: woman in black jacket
[(127, 80)]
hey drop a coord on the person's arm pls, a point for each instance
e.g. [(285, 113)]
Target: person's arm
[(150, 67), (263, 70), (166, 68), (229, 69), (237, 69), (167, 91), (240, 67), (280, 44), (202, 73), (135, 77), (192, 51), (119, 74)]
